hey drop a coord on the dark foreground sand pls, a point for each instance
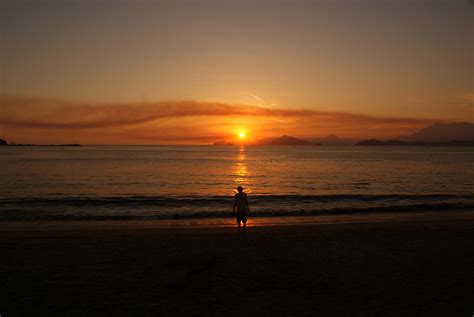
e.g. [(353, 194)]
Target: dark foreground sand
[(422, 267)]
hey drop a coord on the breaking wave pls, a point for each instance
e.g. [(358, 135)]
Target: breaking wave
[(175, 207)]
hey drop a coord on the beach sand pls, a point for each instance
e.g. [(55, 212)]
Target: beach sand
[(361, 266)]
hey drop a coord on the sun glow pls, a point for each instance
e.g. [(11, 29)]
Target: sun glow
[(242, 134)]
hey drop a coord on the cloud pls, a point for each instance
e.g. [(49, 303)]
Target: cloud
[(192, 121), (469, 97), (254, 96), (52, 114)]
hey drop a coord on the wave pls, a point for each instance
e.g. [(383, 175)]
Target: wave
[(177, 200), (176, 207)]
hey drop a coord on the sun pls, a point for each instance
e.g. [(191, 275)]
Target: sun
[(241, 134)]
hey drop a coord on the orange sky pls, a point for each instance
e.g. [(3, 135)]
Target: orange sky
[(183, 122), (195, 72)]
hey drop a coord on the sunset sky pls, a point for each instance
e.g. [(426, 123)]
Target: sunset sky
[(195, 72)]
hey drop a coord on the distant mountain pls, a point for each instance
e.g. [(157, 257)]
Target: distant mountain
[(3, 143), (223, 143), (390, 142), (332, 140), (376, 142), (283, 140), (370, 142), (443, 132)]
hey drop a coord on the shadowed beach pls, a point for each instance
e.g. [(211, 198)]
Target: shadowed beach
[(410, 265)]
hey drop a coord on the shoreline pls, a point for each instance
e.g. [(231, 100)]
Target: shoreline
[(212, 223)]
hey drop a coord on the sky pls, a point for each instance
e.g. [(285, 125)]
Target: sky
[(195, 72)]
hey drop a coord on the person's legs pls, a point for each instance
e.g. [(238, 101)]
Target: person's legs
[(238, 222)]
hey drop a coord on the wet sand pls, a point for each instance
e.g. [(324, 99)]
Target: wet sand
[(406, 265)]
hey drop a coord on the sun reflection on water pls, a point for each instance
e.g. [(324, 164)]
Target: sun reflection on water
[(241, 170)]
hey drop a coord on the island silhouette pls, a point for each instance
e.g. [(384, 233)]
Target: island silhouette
[(5, 143), (438, 134)]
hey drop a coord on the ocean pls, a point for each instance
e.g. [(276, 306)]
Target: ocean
[(176, 182)]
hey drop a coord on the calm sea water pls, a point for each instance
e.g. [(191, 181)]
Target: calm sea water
[(163, 182)]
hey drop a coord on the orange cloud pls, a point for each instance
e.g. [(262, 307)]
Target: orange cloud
[(46, 121)]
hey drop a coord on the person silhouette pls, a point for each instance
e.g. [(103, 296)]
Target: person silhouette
[(242, 204)]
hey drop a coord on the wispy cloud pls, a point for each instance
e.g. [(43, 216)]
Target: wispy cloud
[(469, 98), (191, 121), (38, 113), (253, 96)]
